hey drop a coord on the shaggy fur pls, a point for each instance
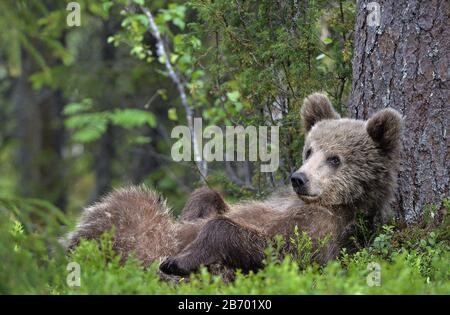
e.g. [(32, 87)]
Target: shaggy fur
[(141, 220), (316, 107), (348, 166), (203, 203)]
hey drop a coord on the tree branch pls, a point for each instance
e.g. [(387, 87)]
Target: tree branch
[(163, 52)]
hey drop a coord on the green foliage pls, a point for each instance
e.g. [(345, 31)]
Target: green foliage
[(410, 267), (32, 260), (240, 62), (33, 213), (90, 126), (299, 248), (250, 62), (131, 118), (382, 243), (305, 249)]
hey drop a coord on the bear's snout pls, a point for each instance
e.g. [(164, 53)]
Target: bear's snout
[(299, 181)]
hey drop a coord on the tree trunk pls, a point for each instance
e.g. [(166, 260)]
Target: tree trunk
[(403, 63), (105, 151), (28, 131), (41, 134)]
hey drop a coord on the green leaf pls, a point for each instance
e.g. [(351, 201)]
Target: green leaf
[(129, 118), (195, 42), (85, 119), (142, 19), (173, 58), (89, 133), (162, 59), (238, 106), (89, 126), (179, 22), (163, 94), (75, 108), (107, 5), (233, 96), (172, 114)]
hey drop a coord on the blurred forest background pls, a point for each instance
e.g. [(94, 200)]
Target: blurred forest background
[(91, 107)]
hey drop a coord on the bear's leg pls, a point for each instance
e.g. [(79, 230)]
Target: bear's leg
[(202, 203), (221, 241)]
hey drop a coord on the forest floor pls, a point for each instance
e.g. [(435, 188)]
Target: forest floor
[(397, 260)]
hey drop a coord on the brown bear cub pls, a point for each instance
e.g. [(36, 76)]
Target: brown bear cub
[(348, 166)]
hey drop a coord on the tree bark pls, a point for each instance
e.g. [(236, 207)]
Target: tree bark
[(41, 138), (105, 151), (202, 164), (404, 63)]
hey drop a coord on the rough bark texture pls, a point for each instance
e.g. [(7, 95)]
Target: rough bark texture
[(404, 63)]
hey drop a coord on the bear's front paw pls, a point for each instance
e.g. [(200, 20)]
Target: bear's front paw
[(175, 266)]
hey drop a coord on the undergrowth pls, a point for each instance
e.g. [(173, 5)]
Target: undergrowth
[(397, 260)]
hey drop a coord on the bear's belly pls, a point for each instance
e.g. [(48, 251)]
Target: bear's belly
[(255, 215)]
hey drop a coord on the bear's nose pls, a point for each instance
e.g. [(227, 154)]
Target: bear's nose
[(298, 180)]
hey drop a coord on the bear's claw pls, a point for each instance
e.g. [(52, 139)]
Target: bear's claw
[(172, 266)]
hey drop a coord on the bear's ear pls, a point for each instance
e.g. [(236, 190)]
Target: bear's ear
[(385, 128), (316, 107)]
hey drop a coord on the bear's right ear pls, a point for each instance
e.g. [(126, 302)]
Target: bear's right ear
[(316, 107)]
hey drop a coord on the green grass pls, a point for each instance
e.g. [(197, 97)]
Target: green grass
[(412, 260)]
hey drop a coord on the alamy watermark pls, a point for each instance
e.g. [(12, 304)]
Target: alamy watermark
[(262, 145), (74, 17), (374, 16), (374, 276), (74, 276)]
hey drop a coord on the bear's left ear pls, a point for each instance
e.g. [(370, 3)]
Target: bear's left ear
[(316, 107), (385, 128)]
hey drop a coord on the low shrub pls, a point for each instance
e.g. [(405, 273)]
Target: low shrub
[(409, 260)]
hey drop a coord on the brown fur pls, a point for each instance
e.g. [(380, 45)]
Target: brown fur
[(316, 107), (203, 202), (141, 220), (212, 233)]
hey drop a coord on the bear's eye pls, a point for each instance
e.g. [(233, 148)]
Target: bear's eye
[(334, 161), (308, 153)]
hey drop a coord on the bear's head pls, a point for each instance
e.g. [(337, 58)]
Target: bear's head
[(347, 162)]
